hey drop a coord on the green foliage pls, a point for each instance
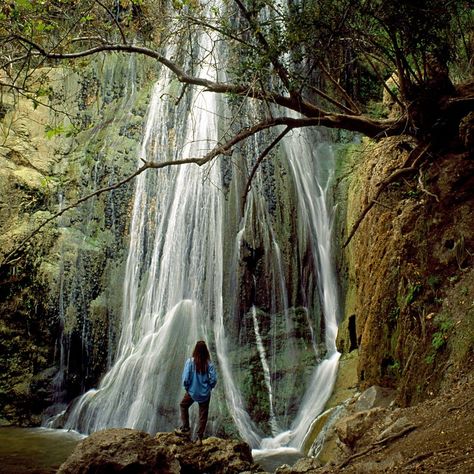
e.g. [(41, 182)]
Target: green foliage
[(413, 291), (413, 193), (429, 359), (394, 369), (188, 4), (376, 109), (434, 281), (331, 54), (68, 131), (393, 315), (444, 325)]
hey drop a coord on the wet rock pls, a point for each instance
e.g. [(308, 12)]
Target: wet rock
[(132, 451)]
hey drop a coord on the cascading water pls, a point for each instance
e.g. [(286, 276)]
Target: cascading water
[(313, 182), (173, 276), (75, 296), (176, 287)]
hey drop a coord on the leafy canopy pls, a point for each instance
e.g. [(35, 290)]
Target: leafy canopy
[(329, 60)]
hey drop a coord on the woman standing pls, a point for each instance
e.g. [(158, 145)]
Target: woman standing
[(199, 378)]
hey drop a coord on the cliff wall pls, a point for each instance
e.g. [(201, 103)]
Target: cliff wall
[(409, 293), (80, 134)]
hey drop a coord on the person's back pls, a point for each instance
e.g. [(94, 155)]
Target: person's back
[(199, 384), (199, 378)]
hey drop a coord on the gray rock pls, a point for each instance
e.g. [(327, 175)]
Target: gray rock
[(402, 424), (352, 428), (374, 396)]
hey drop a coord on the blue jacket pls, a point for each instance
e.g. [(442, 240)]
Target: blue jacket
[(198, 385)]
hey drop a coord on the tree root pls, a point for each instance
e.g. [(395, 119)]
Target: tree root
[(422, 456), (423, 189), (462, 405), (376, 446)]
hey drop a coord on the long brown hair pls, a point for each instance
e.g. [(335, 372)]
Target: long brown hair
[(201, 357)]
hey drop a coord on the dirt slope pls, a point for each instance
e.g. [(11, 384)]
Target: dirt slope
[(438, 437)]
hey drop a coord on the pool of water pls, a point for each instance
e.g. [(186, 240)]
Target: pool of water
[(34, 450)]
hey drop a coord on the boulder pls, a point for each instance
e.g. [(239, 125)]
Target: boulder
[(375, 396), (135, 452), (399, 426), (352, 428)]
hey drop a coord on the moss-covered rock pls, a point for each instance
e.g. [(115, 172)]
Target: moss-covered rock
[(61, 293), (401, 265)]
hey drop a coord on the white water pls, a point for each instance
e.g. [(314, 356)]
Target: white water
[(173, 288), (266, 371), (174, 263), (313, 183)]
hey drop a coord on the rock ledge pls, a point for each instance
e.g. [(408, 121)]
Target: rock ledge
[(133, 452)]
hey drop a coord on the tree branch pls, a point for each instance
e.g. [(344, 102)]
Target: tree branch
[(339, 88), (333, 101), (365, 125), (224, 149), (376, 446), (25, 93), (200, 22), (279, 68), (122, 34), (417, 154), (384, 83), (7, 259), (259, 161), (362, 124)]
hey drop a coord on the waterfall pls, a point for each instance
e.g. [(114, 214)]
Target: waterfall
[(173, 273), (180, 286), (266, 371), (313, 184)]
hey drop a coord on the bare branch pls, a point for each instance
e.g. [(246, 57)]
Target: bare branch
[(79, 39), (26, 94), (122, 34), (9, 256), (356, 123), (384, 83), (206, 24), (339, 88), (14, 60), (258, 163), (279, 68), (333, 101), (224, 149)]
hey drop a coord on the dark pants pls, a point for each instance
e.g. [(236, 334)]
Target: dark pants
[(186, 402)]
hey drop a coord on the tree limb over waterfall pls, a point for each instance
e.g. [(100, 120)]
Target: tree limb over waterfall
[(313, 61), (224, 149), (353, 122), (329, 64)]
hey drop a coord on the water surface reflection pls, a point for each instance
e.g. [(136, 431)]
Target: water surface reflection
[(35, 450)]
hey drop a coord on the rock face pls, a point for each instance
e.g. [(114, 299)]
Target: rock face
[(409, 269), (132, 452), (67, 280)]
